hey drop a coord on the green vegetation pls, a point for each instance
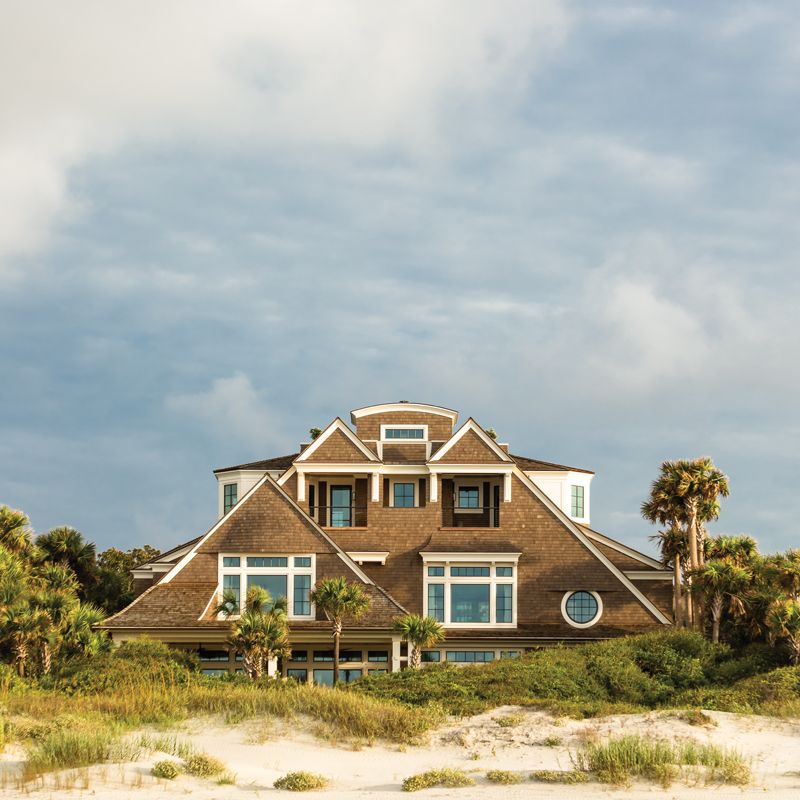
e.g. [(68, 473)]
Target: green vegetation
[(419, 632), (621, 758), (503, 776), (510, 720), (447, 777), (559, 776), (169, 770), (202, 765), (301, 782)]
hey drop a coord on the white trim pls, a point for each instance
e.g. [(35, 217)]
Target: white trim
[(368, 557), (337, 425), (485, 558), (645, 575), (471, 425), (404, 481), (592, 621), (470, 469), (190, 555), (581, 536), (621, 548), (419, 408)]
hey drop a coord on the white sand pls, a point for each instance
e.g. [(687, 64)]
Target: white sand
[(475, 745)]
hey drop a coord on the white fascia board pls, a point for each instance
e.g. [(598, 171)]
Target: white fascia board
[(369, 557), (581, 536), (337, 425), (621, 548), (645, 575), (428, 555), (237, 474), (471, 469), (471, 425), (393, 408), (336, 469)]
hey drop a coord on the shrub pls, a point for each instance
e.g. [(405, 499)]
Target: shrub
[(202, 765), (559, 776), (447, 777), (510, 720), (503, 776), (226, 779), (552, 741), (168, 770), (301, 782)]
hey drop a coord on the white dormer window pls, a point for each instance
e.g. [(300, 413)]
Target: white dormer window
[(404, 433), (230, 496)]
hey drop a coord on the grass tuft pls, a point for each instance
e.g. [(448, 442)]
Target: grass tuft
[(503, 776), (510, 720), (169, 770), (202, 765), (301, 782), (447, 777), (559, 776)]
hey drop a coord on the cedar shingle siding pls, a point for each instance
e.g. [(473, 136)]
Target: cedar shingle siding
[(269, 520)]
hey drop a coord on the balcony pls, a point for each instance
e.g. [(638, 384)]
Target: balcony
[(471, 517), (340, 516)]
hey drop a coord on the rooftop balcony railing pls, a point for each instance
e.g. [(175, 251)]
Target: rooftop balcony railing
[(470, 517), (338, 516)]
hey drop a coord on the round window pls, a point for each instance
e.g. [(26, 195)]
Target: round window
[(581, 608)]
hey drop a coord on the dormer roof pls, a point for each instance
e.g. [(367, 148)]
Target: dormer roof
[(403, 406)]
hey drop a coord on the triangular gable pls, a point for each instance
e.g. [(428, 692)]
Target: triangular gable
[(337, 444), (470, 444), (581, 536)]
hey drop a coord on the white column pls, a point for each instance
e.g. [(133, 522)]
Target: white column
[(376, 487), (301, 486), (272, 667), (507, 487), (395, 654), (434, 487)]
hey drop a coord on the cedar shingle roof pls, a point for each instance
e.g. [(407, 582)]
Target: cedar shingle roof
[(267, 464), (534, 465)]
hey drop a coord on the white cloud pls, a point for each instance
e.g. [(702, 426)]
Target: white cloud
[(85, 78)]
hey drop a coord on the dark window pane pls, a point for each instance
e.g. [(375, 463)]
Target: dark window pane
[(505, 572), (215, 673), (302, 561), (469, 602), (436, 601), (469, 572), (300, 675), (504, 606), (299, 655), (231, 561), (468, 497), (404, 433), (302, 601), (341, 506), (582, 607), (212, 655), (350, 655), (232, 584), (431, 656), (323, 677), (274, 584), (229, 496), (404, 495), (436, 572), (323, 655), (470, 656), (377, 655), (269, 562)]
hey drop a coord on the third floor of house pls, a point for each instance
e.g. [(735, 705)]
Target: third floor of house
[(408, 464)]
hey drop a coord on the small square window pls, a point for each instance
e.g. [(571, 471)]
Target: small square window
[(436, 572), (468, 497), (505, 572), (404, 495), (231, 561), (302, 561)]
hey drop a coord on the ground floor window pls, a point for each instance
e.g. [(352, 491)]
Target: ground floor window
[(215, 673), (300, 675), (324, 677), (470, 656), (431, 656)]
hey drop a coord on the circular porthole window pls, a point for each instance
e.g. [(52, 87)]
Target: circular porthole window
[(581, 609)]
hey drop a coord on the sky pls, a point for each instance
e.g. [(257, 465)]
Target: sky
[(222, 224)]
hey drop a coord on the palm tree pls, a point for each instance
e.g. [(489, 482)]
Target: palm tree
[(719, 579), (674, 548), (338, 600), (67, 546), (80, 636), (23, 626), (784, 622), (261, 633), (15, 532), (419, 632)]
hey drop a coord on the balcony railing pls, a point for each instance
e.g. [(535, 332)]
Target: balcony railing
[(475, 517), (352, 516)]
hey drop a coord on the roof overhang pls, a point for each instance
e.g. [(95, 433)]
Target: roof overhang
[(392, 408)]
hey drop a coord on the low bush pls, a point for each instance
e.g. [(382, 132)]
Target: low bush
[(169, 770), (559, 776), (510, 720), (301, 782), (202, 765), (503, 776), (447, 777)]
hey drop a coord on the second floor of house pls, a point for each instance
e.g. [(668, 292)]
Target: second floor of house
[(407, 464)]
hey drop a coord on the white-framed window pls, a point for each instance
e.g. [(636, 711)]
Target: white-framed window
[(471, 594), (468, 496), (404, 433), (289, 576), (577, 504), (230, 492), (403, 493), (581, 608)]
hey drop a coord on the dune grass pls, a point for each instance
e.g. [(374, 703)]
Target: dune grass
[(503, 776), (446, 777), (301, 782), (621, 758)]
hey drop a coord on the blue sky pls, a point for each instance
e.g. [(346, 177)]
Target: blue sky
[(223, 224)]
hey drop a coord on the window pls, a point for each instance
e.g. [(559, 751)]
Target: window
[(289, 577), (323, 655), (341, 506), (470, 656), (403, 433), (436, 601), (377, 655), (300, 675), (404, 495), (577, 501), (431, 656), (299, 655), (468, 497), (324, 677), (581, 609), (212, 655), (471, 594), (229, 496), (214, 673), (509, 654)]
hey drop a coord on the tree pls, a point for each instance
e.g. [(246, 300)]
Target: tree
[(15, 531), (114, 587), (719, 580), (261, 633), (419, 632), (674, 547), (23, 625), (784, 623), (338, 600), (686, 494), (67, 546), (80, 636)]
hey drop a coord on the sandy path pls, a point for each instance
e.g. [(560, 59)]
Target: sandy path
[(259, 752)]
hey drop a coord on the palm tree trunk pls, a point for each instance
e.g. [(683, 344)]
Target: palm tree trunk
[(716, 616), (21, 654), (415, 656), (337, 632), (47, 658), (676, 592), (794, 645), (694, 560)]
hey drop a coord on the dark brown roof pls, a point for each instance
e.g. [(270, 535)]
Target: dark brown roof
[(279, 462), (534, 465), (167, 553)]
